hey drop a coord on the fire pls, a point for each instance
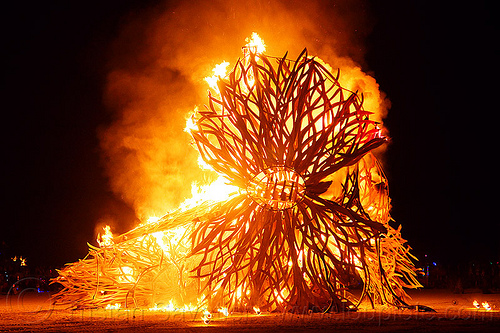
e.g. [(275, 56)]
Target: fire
[(190, 122), (106, 240), (163, 250), (220, 71), (23, 261), (115, 306), (127, 275), (153, 219), (204, 165), (224, 311), (207, 316), (255, 44), (172, 307), (174, 242), (216, 191), (484, 305)]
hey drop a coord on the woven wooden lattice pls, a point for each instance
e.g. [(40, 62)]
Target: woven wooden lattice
[(312, 214)]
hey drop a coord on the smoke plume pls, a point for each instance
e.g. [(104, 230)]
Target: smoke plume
[(158, 63)]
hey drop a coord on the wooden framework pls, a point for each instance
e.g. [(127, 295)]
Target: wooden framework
[(311, 217)]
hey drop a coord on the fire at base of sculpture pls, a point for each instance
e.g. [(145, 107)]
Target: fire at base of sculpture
[(311, 217)]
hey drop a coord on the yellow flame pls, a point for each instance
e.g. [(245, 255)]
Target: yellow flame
[(207, 316), (106, 240), (224, 311), (153, 219), (23, 261), (216, 191), (173, 242), (191, 122), (115, 306), (486, 306), (127, 275), (165, 308), (257, 310), (219, 71), (204, 165), (172, 307), (282, 295), (255, 44)]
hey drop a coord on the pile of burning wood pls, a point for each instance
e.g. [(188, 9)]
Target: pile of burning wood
[(307, 216)]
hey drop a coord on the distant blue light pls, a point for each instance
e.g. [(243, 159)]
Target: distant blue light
[(434, 263)]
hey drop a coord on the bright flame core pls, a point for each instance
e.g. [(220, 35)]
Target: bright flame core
[(106, 240), (190, 122), (255, 44), (219, 71)]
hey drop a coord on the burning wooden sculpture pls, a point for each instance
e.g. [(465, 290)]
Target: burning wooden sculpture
[(309, 219)]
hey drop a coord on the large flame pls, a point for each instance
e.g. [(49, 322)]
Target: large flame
[(256, 42), (176, 242), (145, 153), (220, 71), (158, 69), (219, 190)]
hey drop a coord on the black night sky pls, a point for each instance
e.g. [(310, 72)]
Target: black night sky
[(436, 61)]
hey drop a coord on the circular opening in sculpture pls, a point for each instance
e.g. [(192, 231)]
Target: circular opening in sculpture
[(276, 188)]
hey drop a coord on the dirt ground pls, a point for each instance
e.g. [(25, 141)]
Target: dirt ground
[(32, 312)]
